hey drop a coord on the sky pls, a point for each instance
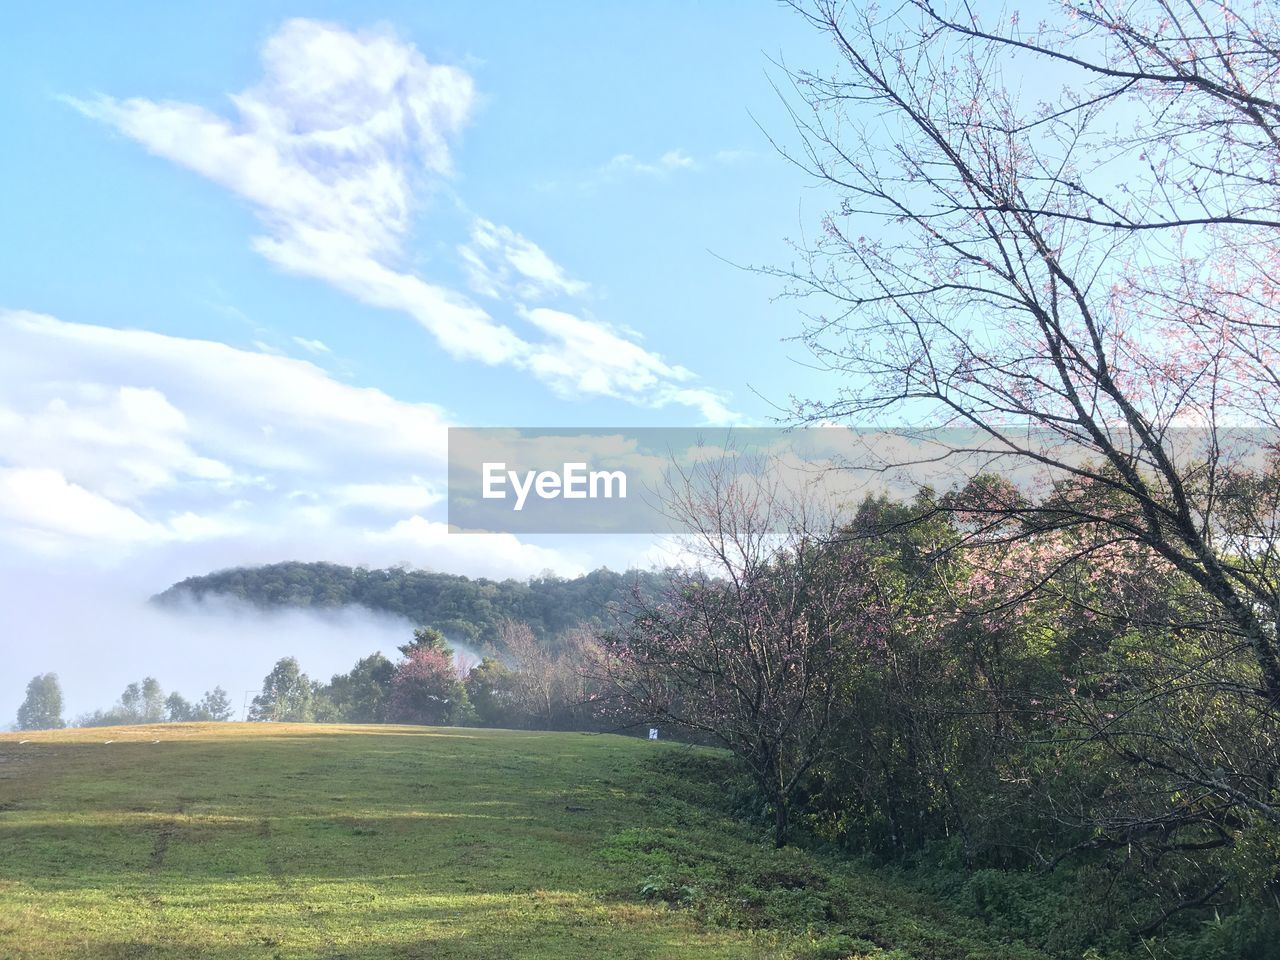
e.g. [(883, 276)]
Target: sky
[(258, 257)]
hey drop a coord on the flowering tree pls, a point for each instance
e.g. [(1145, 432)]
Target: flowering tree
[(427, 686), (749, 645), (1082, 277), (1074, 279)]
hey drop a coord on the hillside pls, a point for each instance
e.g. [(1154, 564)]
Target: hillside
[(365, 843), (465, 609)]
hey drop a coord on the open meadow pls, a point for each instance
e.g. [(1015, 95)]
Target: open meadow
[(292, 841)]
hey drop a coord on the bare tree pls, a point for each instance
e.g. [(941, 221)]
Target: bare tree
[(749, 644), (536, 678)]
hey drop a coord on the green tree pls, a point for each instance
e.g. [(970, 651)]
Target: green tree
[(361, 696), (287, 695), (425, 638), (471, 610), (215, 705), (129, 709), (491, 688), (153, 701), (179, 709), (42, 709)]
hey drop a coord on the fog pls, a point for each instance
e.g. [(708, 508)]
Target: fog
[(97, 632)]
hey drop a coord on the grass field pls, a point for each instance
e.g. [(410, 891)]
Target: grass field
[(292, 841)]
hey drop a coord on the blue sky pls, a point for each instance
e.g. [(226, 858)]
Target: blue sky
[(258, 256), (619, 141)]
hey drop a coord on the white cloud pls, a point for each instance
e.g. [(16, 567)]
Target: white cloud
[(125, 440), (126, 437), (327, 141), (38, 506), (266, 409), (501, 262), (334, 148), (402, 498), (669, 162), (588, 357), (312, 346), (464, 330), (185, 455), (624, 165), (493, 555)]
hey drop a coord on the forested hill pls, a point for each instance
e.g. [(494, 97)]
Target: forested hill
[(464, 609)]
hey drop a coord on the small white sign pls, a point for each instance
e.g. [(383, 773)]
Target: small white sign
[(653, 733)]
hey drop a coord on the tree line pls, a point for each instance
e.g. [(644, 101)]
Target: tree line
[(532, 685), (142, 701)]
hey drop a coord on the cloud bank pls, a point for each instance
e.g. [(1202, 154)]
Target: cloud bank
[(98, 638), (114, 443)]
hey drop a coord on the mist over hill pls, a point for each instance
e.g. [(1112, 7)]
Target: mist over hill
[(465, 609)]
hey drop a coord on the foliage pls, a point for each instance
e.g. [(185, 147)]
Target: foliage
[(470, 610), (141, 702), (145, 702), (362, 695), (425, 638), (287, 695), (178, 708), (1038, 701), (1082, 285), (215, 705), (491, 690), (42, 708), (534, 685), (545, 686), (427, 685), (750, 648)]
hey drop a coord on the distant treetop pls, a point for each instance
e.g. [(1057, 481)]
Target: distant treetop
[(465, 609)]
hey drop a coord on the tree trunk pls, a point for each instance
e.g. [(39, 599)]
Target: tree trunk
[(779, 823)]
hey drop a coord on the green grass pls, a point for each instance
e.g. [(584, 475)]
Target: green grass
[(347, 843)]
